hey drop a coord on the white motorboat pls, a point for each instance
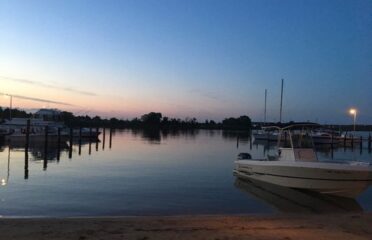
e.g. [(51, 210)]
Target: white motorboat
[(296, 166), (16, 128), (264, 135), (324, 137)]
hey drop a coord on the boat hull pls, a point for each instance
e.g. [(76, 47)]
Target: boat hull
[(335, 180)]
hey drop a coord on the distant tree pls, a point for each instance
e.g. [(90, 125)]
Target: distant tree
[(151, 119), (114, 121), (66, 116), (242, 122), (135, 123), (16, 113)]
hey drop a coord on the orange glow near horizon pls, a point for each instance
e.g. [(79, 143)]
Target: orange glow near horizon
[(109, 101), (126, 106)]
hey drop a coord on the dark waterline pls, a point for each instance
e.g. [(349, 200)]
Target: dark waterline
[(152, 173)]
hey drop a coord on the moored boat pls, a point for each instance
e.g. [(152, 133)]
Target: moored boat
[(264, 135), (16, 129), (324, 137), (296, 166)]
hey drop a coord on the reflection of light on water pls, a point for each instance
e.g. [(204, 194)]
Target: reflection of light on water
[(3, 182)]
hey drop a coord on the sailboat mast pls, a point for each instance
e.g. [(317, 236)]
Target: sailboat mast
[(281, 101), (265, 106)]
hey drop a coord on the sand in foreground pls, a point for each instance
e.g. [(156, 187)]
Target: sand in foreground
[(357, 226)]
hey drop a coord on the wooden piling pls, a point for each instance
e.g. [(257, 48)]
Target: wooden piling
[(71, 140), (103, 138), (110, 140), (46, 138), (26, 165), (27, 136), (237, 142), (58, 143), (352, 141), (45, 148), (26, 148), (96, 138), (79, 141), (45, 164), (90, 141)]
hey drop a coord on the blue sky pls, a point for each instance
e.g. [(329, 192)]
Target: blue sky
[(204, 59)]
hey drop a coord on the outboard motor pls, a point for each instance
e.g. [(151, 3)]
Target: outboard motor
[(244, 156)]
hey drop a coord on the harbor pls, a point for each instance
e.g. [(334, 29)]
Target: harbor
[(206, 120), (200, 197), (117, 174)]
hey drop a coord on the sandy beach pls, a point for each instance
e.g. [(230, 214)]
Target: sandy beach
[(351, 226)]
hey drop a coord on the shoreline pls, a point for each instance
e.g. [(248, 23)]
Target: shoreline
[(280, 226)]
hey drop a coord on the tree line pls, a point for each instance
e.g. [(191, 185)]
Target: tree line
[(152, 120), (156, 120)]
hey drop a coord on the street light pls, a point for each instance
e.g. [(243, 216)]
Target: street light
[(353, 112)]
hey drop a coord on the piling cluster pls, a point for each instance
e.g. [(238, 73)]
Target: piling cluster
[(47, 138)]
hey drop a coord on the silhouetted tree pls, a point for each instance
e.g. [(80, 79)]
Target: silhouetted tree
[(242, 122), (151, 119), (16, 113)]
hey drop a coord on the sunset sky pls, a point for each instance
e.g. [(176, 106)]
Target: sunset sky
[(206, 59)]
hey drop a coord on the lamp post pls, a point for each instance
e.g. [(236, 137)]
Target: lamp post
[(353, 112)]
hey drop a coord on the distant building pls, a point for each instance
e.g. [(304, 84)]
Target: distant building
[(48, 114)]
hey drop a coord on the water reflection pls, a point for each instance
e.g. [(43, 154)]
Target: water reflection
[(38, 150), (243, 136), (41, 150), (156, 136), (174, 133), (181, 172), (288, 200), (5, 179), (151, 135)]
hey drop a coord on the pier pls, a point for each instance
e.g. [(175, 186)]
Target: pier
[(55, 141)]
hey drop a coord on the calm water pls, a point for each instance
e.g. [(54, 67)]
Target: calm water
[(152, 173)]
